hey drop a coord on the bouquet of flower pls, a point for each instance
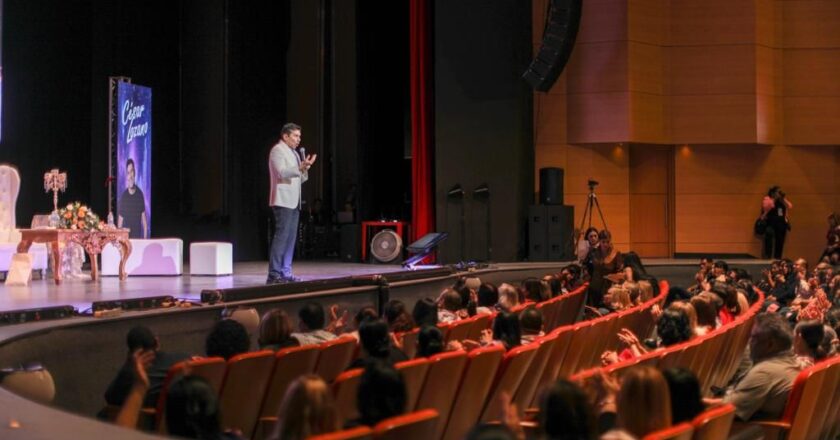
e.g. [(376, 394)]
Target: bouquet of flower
[(78, 216)]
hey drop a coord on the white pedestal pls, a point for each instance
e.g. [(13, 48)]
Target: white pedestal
[(211, 258)]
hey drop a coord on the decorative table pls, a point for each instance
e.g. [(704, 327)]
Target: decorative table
[(91, 241)]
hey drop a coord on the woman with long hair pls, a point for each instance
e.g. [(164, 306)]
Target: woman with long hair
[(606, 260), (307, 409), (276, 331), (642, 403)]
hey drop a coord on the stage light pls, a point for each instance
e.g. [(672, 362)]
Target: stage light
[(481, 191), (456, 192)]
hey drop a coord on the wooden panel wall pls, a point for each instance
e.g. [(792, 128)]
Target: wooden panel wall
[(746, 90)]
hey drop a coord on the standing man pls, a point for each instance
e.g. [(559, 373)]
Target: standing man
[(132, 205), (288, 171)]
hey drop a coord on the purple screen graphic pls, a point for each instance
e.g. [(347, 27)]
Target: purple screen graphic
[(134, 159)]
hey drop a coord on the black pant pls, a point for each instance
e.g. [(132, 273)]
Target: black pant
[(774, 240)]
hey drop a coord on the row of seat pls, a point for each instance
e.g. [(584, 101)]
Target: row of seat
[(412, 426), (712, 424)]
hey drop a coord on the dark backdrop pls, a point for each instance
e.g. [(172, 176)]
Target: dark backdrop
[(483, 130), (226, 74)]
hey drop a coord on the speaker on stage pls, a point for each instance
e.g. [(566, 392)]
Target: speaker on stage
[(348, 249), (537, 233), (561, 28), (551, 186)]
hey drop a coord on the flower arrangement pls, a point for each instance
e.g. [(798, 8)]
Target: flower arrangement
[(78, 216)]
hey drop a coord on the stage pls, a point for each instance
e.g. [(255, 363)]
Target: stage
[(81, 293)]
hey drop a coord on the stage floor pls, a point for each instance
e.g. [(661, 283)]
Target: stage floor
[(80, 293)]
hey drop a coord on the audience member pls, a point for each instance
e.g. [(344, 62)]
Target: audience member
[(227, 339), (508, 297), (641, 404), (506, 331), (276, 331), (307, 409), (686, 399), (364, 314), (382, 394), (429, 341), (488, 297), (377, 344), (425, 312), (807, 342), (565, 413), (141, 338), (763, 392), (531, 324), (450, 307), (398, 318), (311, 325), (606, 260)]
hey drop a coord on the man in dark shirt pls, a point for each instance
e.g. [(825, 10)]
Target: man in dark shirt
[(132, 205), (141, 338)]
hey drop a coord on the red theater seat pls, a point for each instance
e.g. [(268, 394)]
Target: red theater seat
[(442, 380), (335, 356), (414, 426), (414, 374), (289, 364), (243, 389), (472, 393), (683, 431), (344, 389), (360, 433), (715, 423)]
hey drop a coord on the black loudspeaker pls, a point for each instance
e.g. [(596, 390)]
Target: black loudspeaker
[(551, 186), (348, 249), (561, 28), (550, 233)]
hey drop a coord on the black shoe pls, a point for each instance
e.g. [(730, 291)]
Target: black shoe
[(292, 279), (275, 280)]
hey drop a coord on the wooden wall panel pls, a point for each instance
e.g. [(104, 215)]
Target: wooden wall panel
[(812, 120), (812, 72), (649, 118), (647, 21), (598, 117), (701, 119), (598, 67), (707, 22), (721, 69), (811, 23), (550, 119), (646, 65), (603, 20)]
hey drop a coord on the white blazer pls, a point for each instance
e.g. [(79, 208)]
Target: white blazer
[(286, 177)]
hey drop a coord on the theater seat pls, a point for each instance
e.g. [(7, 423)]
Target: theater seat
[(243, 389), (683, 431), (211, 369), (475, 386), (335, 356), (413, 426), (360, 433), (344, 390), (510, 375), (414, 374), (442, 380), (528, 388), (409, 342), (715, 423), (289, 364)]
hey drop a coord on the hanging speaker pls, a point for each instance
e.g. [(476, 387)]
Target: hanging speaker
[(551, 186), (561, 28), (386, 246)]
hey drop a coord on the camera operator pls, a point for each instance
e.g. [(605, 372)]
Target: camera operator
[(774, 209)]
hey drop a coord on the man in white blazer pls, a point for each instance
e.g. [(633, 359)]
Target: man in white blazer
[(288, 171)]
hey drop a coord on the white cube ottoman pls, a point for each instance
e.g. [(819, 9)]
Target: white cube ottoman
[(211, 258), (37, 250), (157, 256)]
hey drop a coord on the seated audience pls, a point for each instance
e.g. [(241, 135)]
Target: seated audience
[(311, 325), (141, 338), (677, 294), (307, 409), (640, 405), (506, 331), (807, 342), (227, 339), (492, 431), (606, 260), (276, 331), (763, 392), (635, 272), (398, 318), (377, 344), (686, 399), (565, 413), (425, 312), (531, 324), (466, 288), (616, 300), (450, 307), (688, 309), (488, 297), (508, 297), (706, 306), (672, 328), (364, 314), (381, 395), (429, 341), (536, 290), (570, 278)]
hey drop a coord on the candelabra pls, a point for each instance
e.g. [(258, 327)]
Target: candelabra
[(55, 182)]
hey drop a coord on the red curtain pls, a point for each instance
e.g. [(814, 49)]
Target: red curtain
[(422, 165)]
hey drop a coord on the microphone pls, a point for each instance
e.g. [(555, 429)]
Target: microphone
[(302, 153)]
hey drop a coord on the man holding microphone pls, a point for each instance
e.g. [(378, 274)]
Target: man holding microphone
[(288, 169)]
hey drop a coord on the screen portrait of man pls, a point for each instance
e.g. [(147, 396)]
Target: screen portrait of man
[(132, 205)]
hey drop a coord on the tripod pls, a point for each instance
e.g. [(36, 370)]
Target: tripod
[(591, 201)]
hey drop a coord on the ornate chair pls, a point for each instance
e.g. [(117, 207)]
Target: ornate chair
[(9, 235)]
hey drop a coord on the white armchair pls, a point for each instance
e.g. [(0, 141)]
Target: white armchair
[(9, 235)]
